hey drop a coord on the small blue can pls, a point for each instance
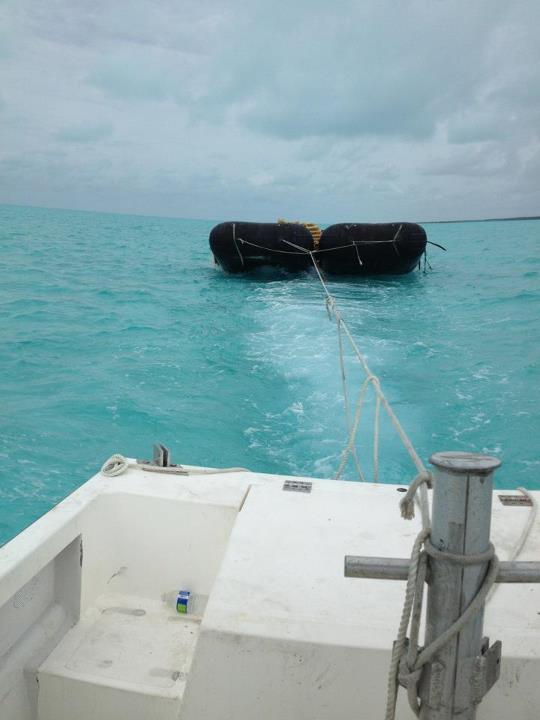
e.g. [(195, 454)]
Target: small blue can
[(182, 602)]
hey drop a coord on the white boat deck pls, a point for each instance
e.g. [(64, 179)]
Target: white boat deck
[(122, 647), (284, 634)]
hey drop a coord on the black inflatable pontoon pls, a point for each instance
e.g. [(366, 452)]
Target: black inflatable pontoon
[(371, 249), (242, 246), (343, 249)]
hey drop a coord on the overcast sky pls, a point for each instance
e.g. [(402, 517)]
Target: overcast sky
[(253, 109)]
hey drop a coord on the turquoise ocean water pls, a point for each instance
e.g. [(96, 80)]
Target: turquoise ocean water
[(116, 332)]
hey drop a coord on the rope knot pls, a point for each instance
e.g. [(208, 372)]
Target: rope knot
[(374, 380), (408, 677)]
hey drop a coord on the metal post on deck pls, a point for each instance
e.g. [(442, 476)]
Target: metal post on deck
[(458, 666), (456, 678)]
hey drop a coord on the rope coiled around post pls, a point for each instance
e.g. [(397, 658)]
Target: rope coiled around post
[(408, 659)]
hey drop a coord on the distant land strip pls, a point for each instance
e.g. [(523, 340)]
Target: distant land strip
[(502, 219)]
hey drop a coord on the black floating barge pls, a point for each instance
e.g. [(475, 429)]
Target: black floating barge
[(342, 249)]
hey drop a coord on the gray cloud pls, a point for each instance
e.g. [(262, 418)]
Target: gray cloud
[(478, 161), (371, 110), (130, 78), (84, 133), (371, 68)]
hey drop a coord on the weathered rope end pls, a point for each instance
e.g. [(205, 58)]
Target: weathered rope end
[(406, 504)]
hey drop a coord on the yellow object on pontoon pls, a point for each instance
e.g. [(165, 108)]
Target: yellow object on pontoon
[(314, 229)]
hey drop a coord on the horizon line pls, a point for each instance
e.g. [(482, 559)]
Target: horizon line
[(201, 219)]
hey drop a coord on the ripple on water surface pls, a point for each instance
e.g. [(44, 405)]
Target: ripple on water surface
[(117, 332)]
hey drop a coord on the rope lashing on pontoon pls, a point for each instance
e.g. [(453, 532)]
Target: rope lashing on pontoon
[(236, 244), (358, 254), (303, 252), (317, 251), (395, 238), (408, 659)]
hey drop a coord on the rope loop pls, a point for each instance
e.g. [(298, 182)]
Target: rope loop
[(409, 679), (463, 560), (373, 380), (115, 465)]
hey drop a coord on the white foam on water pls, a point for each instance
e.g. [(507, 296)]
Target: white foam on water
[(296, 338)]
